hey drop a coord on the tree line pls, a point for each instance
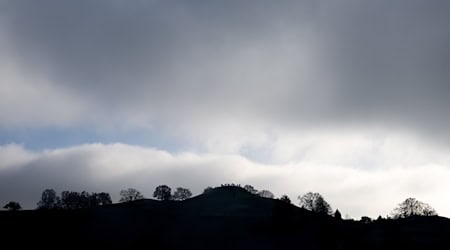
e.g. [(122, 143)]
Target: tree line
[(72, 200), (311, 201), (162, 192)]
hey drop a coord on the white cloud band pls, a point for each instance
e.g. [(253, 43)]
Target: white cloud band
[(111, 167)]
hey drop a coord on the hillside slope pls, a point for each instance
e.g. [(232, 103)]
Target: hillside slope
[(225, 218)]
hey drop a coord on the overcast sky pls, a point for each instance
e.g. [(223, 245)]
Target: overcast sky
[(346, 98)]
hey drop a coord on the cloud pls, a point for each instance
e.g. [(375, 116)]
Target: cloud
[(29, 99), (198, 70), (111, 167), (348, 98), (13, 156)]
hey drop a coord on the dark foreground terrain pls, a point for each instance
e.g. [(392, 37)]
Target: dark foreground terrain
[(224, 218)]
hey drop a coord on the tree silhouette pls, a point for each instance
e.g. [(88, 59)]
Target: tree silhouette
[(103, 199), (207, 189), (130, 194), (181, 194), (162, 192), (321, 206), (13, 206), (338, 215), (285, 198), (266, 194), (413, 207), (98, 199), (250, 189), (75, 200), (366, 219), (49, 200), (315, 202)]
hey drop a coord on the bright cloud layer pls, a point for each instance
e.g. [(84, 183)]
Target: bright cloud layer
[(354, 190)]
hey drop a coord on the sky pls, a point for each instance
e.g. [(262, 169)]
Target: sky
[(346, 98)]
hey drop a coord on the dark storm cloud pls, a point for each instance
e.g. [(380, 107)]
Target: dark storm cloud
[(390, 58), (117, 49), (288, 62)]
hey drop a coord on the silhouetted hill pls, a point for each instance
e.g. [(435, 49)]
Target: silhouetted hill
[(224, 218), (229, 201)]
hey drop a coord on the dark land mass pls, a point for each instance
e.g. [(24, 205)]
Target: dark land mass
[(223, 218)]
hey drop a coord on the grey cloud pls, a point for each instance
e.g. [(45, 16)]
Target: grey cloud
[(392, 56), (99, 45), (200, 63)]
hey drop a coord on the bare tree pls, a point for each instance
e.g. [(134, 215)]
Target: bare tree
[(162, 192), (49, 200), (13, 206), (266, 194), (77, 200), (103, 199), (315, 202), (73, 200), (412, 207), (181, 194), (285, 198), (307, 200), (130, 194), (250, 189), (207, 189)]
